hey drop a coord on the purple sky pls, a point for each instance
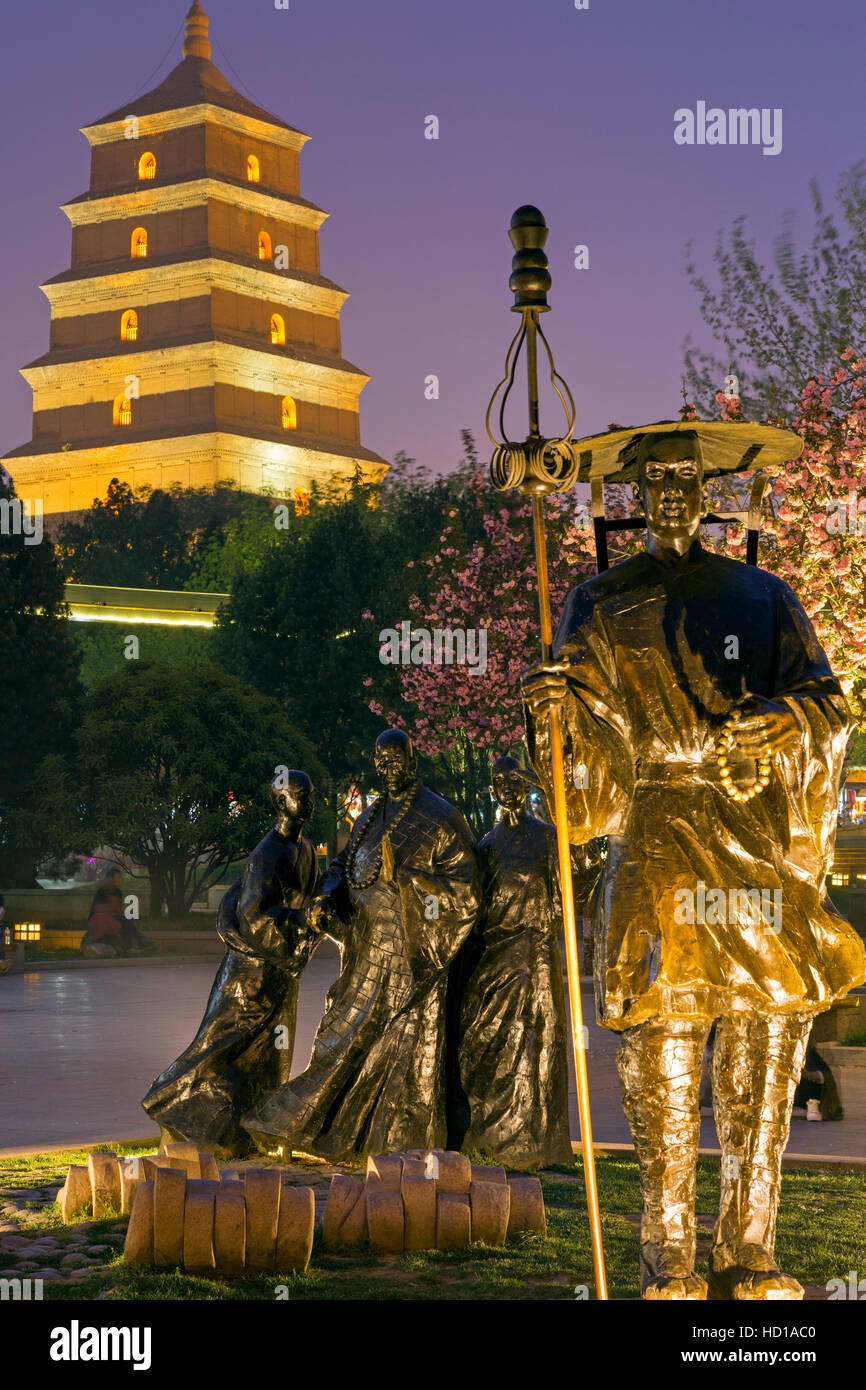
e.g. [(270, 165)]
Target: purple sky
[(537, 102)]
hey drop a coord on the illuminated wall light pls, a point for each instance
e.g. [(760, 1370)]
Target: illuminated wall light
[(28, 931)]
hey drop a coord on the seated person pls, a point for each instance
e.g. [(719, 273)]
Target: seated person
[(109, 933)]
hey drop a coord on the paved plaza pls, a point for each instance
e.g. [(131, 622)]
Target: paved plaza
[(79, 1048)]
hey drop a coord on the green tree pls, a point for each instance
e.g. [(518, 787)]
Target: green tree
[(39, 691), (775, 327), (173, 766), (148, 537), (294, 626)]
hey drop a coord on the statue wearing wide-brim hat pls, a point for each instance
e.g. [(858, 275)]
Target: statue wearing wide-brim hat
[(694, 690), (725, 447)]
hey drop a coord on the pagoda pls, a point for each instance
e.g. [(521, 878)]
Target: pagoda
[(193, 340)]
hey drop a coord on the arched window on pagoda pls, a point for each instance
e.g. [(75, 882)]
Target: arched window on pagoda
[(138, 245), (129, 326), (122, 412), (253, 170), (278, 328), (302, 502), (147, 166), (264, 246), (289, 414)]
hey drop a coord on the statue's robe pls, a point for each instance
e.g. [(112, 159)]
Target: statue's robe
[(512, 1056), (376, 1078), (243, 1048), (654, 670)]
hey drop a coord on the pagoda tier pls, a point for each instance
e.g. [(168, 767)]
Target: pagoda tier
[(193, 339)]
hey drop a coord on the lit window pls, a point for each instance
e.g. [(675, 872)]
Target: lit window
[(28, 931), (252, 169), (290, 414), (129, 326), (147, 167), (839, 880), (139, 243), (302, 502), (278, 328), (264, 246), (122, 413)]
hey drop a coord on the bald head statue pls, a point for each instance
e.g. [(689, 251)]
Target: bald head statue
[(293, 799), (395, 761)]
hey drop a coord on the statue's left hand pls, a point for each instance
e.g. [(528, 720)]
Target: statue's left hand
[(759, 724)]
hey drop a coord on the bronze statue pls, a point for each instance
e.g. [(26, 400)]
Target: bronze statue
[(243, 1049), (400, 899), (512, 1055), (674, 673)]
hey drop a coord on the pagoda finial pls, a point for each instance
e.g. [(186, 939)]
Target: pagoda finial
[(196, 43)]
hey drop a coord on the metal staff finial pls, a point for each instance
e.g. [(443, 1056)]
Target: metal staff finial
[(537, 467)]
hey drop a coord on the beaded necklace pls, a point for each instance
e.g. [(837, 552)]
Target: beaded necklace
[(727, 742), (372, 874)]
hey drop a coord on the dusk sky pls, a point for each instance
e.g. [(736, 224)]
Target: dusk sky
[(538, 102)]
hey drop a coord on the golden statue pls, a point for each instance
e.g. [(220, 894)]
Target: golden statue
[(694, 692)]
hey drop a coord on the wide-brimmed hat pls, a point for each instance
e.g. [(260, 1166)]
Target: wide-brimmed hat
[(727, 446)]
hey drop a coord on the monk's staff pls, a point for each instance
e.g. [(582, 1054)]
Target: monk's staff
[(537, 467)]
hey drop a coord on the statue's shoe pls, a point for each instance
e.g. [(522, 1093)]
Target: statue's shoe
[(757, 1280), (269, 1144), (690, 1288), (759, 1286)]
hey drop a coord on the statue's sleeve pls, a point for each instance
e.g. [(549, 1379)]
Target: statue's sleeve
[(810, 767), (441, 903), (253, 916), (599, 767)]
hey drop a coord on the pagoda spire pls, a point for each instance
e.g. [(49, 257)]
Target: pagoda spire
[(196, 43)]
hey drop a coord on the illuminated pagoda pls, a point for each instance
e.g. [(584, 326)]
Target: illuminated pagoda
[(193, 340)]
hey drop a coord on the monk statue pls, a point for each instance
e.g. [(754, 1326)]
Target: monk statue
[(512, 1054), (695, 692), (243, 1049), (400, 899)]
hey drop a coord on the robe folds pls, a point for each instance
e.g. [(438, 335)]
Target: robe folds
[(243, 1048), (376, 1082), (659, 652), (512, 1057)]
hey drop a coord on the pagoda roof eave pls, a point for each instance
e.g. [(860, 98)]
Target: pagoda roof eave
[(70, 357), (122, 267), (291, 199), (193, 82)]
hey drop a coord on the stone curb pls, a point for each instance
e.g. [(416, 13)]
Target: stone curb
[(793, 1160), (199, 958)]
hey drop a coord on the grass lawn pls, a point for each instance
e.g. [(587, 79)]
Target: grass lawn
[(822, 1234)]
